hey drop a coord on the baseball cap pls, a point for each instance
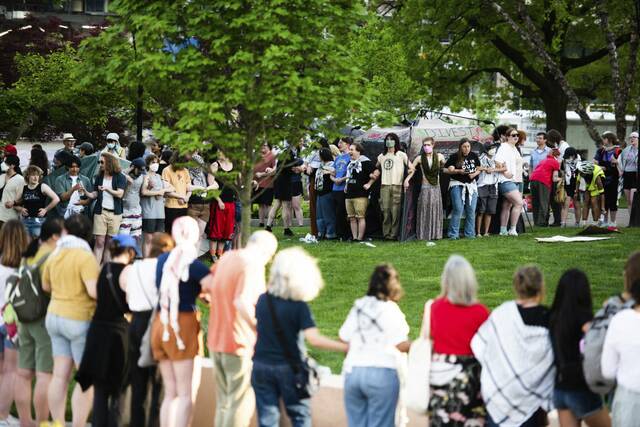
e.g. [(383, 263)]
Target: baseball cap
[(10, 149), (138, 163), (87, 147), (113, 136), (127, 241)]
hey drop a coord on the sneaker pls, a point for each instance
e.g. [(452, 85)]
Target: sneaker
[(287, 232), (268, 228), (612, 225), (504, 233), (512, 232)]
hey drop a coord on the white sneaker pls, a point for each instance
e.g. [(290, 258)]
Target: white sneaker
[(612, 225), (504, 233), (512, 232)]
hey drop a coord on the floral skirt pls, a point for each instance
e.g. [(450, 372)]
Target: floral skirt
[(459, 402)]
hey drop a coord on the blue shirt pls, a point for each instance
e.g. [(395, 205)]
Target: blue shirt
[(294, 317), (190, 289), (537, 156), (340, 163)]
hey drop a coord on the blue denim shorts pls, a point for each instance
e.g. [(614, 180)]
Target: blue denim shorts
[(507, 187), (582, 403), (68, 336)]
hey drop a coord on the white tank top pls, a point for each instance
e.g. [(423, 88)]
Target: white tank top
[(142, 293)]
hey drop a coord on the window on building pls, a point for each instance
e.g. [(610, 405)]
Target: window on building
[(95, 5)]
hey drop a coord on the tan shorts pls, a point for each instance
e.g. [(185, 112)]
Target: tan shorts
[(106, 224), (168, 350), (357, 208), (199, 211)]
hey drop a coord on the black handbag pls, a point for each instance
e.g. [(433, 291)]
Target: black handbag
[(305, 372)]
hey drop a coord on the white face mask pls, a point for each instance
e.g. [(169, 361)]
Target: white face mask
[(153, 167), (111, 145), (4, 167)]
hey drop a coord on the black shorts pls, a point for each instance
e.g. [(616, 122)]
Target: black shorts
[(611, 194), (487, 200), (282, 190), (630, 180), (153, 225), (570, 188), (265, 196), (296, 189)]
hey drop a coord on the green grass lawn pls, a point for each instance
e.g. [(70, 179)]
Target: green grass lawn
[(346, 268)]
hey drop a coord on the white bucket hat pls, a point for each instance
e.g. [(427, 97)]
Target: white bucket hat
[(113, 136), (66, 136)]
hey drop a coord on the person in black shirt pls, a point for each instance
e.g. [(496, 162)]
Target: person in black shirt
[(32, 201), (359, 180), (105, 364), (464, 168), (571, 315)]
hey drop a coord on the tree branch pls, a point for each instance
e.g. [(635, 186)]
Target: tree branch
[(567, 63), (527, 91)]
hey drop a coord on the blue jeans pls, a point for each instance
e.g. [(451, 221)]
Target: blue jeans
[(456, 213), (326, 216), (272, 383), (371, 396), (33, 225)]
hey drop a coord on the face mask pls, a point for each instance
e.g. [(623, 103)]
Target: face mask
[(390, 143), (4, 167), (491, 152), (111, 145), (153, 167), (428, 149)]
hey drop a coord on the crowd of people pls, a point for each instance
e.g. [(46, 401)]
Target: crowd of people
[(117, 324), (100, 277)]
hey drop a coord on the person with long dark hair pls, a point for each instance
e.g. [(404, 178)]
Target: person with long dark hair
[(176, 201), (429, 213), (105, 361), (376, 331), (39, 158), (11, 182), (463, 167), (570, 317)]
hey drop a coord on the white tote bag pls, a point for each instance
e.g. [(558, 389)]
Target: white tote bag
[(417, 386)]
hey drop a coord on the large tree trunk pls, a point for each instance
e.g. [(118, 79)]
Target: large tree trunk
[(555, 108)]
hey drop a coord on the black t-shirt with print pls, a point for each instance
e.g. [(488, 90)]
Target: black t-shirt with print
[(469, 165), (359, 177)]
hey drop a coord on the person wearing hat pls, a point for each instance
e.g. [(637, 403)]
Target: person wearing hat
[(113, 146), (73, 189), (85, 149), (487, 190), (104, 362), (391, 166), (541, 183), (131, 209), (69, 142), (11, 182), (628, 168)]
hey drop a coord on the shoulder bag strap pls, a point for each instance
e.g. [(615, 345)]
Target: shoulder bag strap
[(425, 330), (113, 289), (280, 335)]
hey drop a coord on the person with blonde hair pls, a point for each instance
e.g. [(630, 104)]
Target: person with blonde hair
[(109, 186), (377, 331), (282, 316), (514, 349), (13, 242), (234, 285), (455, 317)]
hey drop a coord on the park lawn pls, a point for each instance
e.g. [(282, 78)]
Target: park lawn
[(346, 268)]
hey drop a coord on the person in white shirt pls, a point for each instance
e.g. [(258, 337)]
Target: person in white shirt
[(506, 161), (11, 182), (377, 332), (620, 354), (391, 165)]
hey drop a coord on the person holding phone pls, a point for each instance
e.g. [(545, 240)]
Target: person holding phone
[(464, 168)]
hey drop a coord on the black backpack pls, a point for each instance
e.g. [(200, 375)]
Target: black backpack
[(25, 292)]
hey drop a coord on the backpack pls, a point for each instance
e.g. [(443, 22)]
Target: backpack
[(25, 292), (593, 343)]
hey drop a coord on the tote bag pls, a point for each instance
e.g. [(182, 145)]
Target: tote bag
[(419, 366)]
